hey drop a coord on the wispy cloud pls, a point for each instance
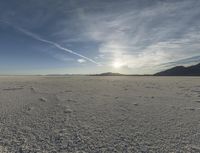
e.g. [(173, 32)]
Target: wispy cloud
[(139, 35), (55, 44), (35, 36), (145, 37), (81, 60), (185, 61)]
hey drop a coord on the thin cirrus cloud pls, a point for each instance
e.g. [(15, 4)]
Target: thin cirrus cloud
[(146, 38), (186, 62), (136, 36), (55, 44), (81, 60), (143, 38), (37, 37)]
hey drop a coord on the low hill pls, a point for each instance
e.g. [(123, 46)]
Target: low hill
[(108, 74)]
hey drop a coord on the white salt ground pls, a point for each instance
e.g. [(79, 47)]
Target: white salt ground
[(99, 114)]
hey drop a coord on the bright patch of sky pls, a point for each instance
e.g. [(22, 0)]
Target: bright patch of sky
[(94, 36)]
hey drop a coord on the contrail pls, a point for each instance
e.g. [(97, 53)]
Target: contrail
[(36, 37)]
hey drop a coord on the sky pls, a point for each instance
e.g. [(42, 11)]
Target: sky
[(96, 36)]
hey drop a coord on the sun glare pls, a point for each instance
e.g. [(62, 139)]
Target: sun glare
[(117, 64)]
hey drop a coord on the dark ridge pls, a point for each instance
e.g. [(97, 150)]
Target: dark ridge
[(193, 70)]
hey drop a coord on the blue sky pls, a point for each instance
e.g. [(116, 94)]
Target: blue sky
[(94, 36)]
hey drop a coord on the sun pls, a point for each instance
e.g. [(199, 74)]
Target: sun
[(117, 64)]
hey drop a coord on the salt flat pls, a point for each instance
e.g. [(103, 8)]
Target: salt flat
[(99, 114)]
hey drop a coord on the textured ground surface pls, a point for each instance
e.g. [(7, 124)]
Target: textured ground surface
[(99, 114)]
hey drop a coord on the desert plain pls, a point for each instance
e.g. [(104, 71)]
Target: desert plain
[(96, 114)]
